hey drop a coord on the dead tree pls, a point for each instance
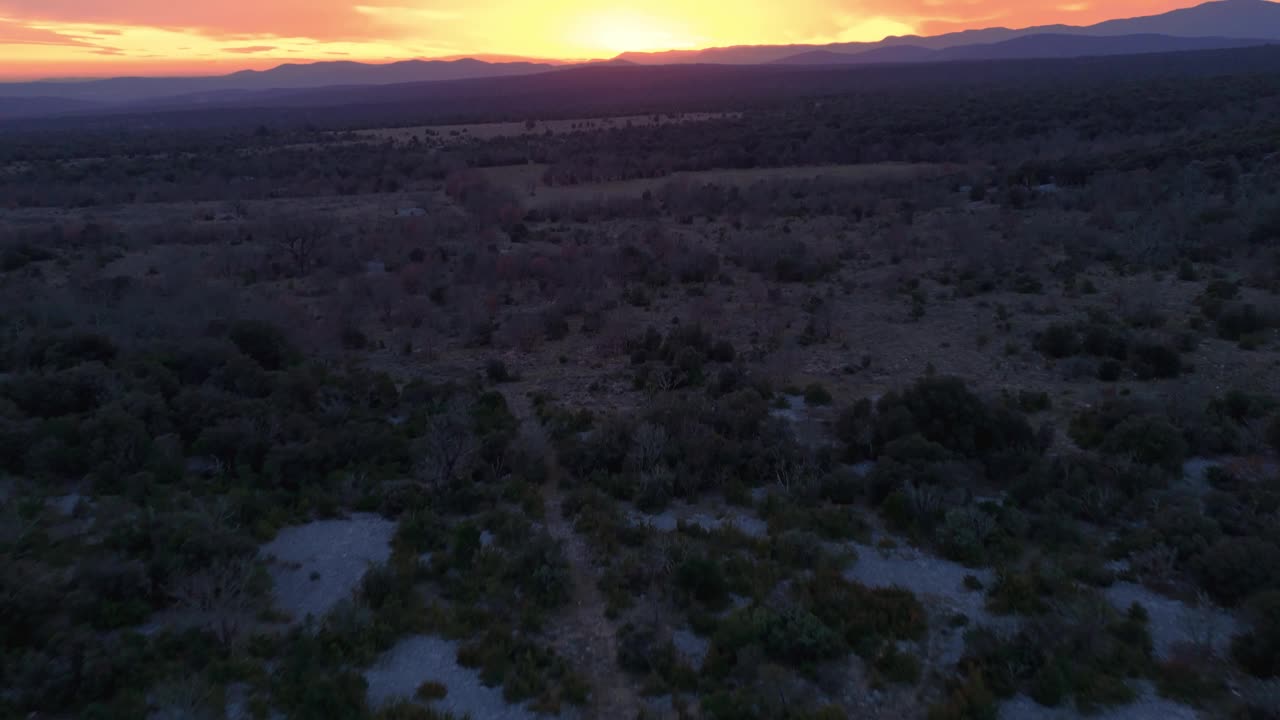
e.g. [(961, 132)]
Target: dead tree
[(301, 239), (219, 595), (447, 446)]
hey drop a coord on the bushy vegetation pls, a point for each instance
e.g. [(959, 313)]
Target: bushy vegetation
[(182, 379)]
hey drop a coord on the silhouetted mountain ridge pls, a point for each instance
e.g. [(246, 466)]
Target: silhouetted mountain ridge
[(1223, 24), (1233, 19), (1027, 47), (284, 77)]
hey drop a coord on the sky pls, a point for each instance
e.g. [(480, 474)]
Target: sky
[(98, 38)]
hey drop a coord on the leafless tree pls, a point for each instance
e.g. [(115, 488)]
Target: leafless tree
[(447, 445), (219, 594), (1203, 627), (188, 698), (924, 500), (301, 238), (1155, 565), (648, 446)]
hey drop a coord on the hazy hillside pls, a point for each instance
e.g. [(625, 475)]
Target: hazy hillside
[(1214, 25), (1026, 47), (607, 89), (1249, 19), (291, 76)]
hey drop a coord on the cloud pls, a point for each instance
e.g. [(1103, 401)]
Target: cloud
[(12, 33), (69, 33), (400, 13)]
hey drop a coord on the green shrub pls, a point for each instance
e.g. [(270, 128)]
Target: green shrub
[(792, 635), (944, 411), (1237, 321), (496, 371), (1058, 341), (1154, 361), (897, 666), (1148, 440), (263, 342), (1110, 370), (1188, 683), (1258, 650), (859, 613), (1235, 568), (817, 395), (703, 579), (1023, 593)]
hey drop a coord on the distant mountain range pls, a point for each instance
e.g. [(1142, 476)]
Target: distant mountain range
[(1025, 47), (1234, 19), (607, 89), (1224, 24), (284, 77)]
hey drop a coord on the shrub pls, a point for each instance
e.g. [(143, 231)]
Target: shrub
[(1236, 321), (431, 690), (968, 699), (1152, 360), (817, 395), (1235, 568), (1058, 341), (897, 666), (1109, 371), (1149, 440), (943, 410), (859, 613), (1188, 683), (703, 579), (792, 635), (353, 338), (263, 342), (1258, 650), (496, 371), (1022, 593)]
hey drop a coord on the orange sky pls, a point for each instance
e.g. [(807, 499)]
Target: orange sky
[(83, 38)]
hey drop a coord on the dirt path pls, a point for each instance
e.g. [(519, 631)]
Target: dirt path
[(583, 633)]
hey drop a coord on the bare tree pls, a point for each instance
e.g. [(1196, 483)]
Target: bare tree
[(648, 446), (447, 445), (1203, 627), (219, 594), (301, 239), (187, 698)]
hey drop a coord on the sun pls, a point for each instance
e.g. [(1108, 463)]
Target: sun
[(619, 31)]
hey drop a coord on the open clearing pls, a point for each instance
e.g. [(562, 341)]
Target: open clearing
[(527, 180), (457, 134), (315, 566), (419, 659)]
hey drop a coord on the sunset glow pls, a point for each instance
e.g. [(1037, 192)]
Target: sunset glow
[(82, 38)]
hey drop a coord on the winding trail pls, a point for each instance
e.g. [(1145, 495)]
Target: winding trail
[(582, 632)]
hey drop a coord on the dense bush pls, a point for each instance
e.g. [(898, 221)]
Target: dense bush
[(1087, 655), (1123, 429), (1235, 568), (945, 412), (1258, 650)]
